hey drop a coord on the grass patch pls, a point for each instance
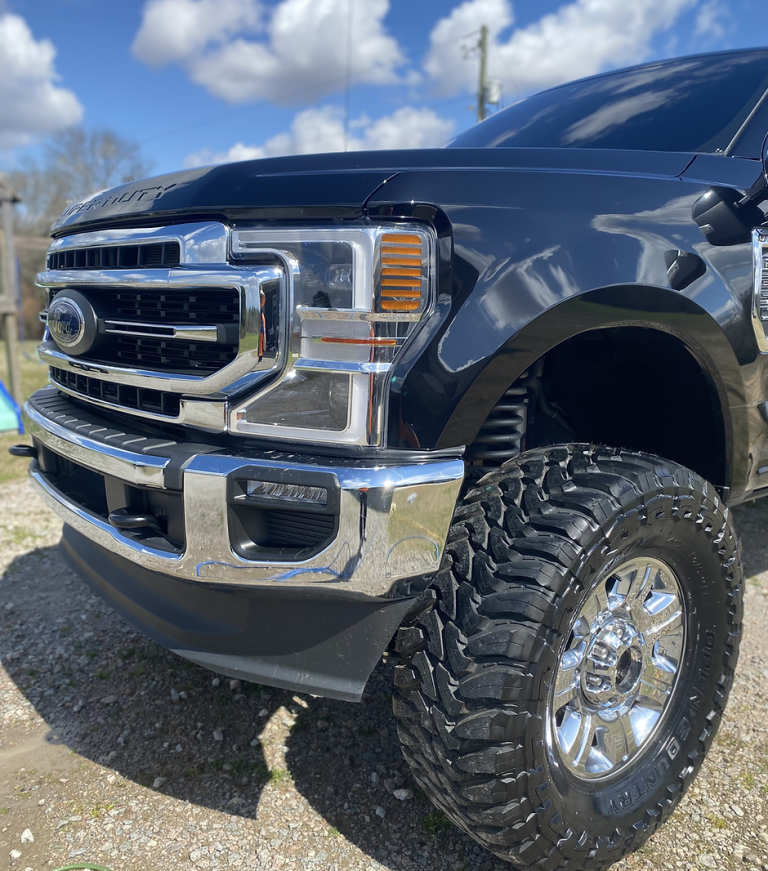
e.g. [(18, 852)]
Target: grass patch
[(435, 823), (17, 534), (333, 832), (100, 809), (136, 672), (279, 775), (4, 811), (34, 375), (102, 675)]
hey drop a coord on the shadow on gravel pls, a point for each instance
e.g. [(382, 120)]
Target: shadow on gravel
[(346, 762), (122, 701)]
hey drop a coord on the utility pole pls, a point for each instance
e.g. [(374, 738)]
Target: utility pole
[(9, 290), (483, 64)]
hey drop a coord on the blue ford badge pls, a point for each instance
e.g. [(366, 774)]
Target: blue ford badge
[(66, 322)]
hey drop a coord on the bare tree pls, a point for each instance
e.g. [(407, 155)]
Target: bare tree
[(70, 166), (73, 165)]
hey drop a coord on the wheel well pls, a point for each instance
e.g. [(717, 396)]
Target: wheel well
[(627, 387), (631, 387)]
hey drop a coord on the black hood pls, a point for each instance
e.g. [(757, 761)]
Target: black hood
[(328, 184)]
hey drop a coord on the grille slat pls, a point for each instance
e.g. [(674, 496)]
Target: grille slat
[(158, 255), (122, 396)]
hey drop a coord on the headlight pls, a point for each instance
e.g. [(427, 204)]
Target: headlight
[(357, 294)]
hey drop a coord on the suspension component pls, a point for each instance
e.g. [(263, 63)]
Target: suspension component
[(502, 434)]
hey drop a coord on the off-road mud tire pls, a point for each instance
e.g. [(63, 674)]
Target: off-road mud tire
[(526, 544)]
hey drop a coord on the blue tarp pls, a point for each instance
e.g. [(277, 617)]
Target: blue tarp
[(10, 413)]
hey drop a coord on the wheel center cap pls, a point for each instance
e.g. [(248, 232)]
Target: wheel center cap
[(612, 663)]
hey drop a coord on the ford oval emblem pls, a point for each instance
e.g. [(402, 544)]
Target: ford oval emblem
[(66, 322)]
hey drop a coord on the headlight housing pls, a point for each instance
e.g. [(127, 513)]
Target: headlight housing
[(356, 294)]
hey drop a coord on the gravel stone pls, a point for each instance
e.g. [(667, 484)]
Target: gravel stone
[(27, 837)]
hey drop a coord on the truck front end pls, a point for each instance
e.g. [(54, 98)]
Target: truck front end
[(214, 437)]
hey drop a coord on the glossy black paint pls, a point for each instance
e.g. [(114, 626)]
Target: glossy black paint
[(319, 186), (703, 103), (536, 245), (539, 257)]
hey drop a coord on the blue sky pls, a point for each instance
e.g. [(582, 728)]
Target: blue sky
[(196, 81)]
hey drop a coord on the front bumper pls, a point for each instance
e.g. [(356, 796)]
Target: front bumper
[(392, 520)]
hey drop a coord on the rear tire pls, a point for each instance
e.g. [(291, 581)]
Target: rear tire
[(539, 581)]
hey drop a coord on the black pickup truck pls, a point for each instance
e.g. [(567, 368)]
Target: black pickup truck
[(487, 404)]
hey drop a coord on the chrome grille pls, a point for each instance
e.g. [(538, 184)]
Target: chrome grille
[(172, 326), (140, 328)]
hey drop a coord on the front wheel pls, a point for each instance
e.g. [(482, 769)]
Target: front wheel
[(572, 659)]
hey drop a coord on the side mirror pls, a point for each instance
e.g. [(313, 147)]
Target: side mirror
[(725, 217)]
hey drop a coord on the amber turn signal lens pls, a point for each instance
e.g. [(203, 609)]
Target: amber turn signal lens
[(403, 281)]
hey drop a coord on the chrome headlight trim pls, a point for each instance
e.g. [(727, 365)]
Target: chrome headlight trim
[(368, 385)]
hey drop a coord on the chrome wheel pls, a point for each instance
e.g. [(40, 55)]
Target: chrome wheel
[(617, 673)]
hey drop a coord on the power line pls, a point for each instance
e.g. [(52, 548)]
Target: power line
[(348, 76)]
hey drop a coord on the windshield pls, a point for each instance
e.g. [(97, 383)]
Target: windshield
[(692, 104)]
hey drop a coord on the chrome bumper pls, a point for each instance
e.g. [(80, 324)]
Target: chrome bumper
[(393, 520)]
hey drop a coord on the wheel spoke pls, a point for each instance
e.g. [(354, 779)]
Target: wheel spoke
[(641, 583), (576, 736), (566, 687), (617, 739), (597, 603), (668, 619), (656, 682)]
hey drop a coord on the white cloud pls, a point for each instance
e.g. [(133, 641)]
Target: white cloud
[(301, 53), (713, 21), (320, 130), (579, 39), (175, 30), (31, 103)]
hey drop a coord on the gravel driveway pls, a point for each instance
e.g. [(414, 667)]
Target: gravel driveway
[(114, 751)]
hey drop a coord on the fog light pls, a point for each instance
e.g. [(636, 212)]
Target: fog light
[(287, 492)]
